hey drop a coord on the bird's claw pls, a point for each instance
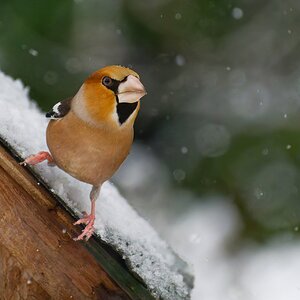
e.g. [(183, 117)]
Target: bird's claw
[(27, 160), (87, 232), (34, 159), (85, 220)]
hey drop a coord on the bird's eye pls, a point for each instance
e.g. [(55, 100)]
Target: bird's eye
[(107, 81)]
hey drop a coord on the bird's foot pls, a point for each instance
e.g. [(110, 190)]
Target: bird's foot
[(37, 158), (87, 232)]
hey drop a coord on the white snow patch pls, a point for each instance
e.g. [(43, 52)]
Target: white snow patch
[(23, 126), (204, 236)]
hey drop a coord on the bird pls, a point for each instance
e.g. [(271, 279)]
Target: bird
[(90, 135)]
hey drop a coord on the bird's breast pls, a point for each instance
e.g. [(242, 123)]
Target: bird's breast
[(90, 154)]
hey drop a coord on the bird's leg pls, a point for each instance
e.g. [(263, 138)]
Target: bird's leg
[(37, 158), (89, 220)]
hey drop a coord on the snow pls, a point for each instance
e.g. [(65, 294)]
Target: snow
[(178, 16), (33, 52), (212, 140), (207, 232), (180, 60), (250, 272), (184, 150), (23, 126), (237, 13)]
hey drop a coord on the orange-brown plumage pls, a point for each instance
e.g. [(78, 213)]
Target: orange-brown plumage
[(91, 134), (101, 101), (90, 154)]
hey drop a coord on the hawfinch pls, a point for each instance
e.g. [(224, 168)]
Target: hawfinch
[(90, 135)]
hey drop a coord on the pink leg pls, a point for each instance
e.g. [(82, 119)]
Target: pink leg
[(89, 220), (37, 158)]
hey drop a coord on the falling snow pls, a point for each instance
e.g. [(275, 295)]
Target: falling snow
[(180, 60), (33, 52), (237, 13)]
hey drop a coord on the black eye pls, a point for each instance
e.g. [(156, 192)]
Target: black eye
[(107, 81)]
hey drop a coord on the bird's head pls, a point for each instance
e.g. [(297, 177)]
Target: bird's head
[(110, 94)]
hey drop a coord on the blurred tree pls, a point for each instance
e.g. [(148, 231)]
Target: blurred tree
[(34, 36), (261, 173)]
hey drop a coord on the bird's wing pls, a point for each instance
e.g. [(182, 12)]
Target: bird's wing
[(60, 109)]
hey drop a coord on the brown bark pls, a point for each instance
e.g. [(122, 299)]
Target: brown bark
[(38, 258)]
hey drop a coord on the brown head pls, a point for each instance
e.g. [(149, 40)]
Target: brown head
[(111, 95)]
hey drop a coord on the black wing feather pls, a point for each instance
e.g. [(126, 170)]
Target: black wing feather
[(60, 109)]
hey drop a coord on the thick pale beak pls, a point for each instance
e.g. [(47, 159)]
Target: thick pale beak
[(131, 90)]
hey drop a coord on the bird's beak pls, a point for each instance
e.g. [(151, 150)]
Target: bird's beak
[(131, 90)]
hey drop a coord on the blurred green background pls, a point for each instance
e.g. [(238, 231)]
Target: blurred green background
[(222, 112)]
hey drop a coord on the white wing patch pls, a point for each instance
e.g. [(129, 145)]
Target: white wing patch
[(59, 110), (55, 107)]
